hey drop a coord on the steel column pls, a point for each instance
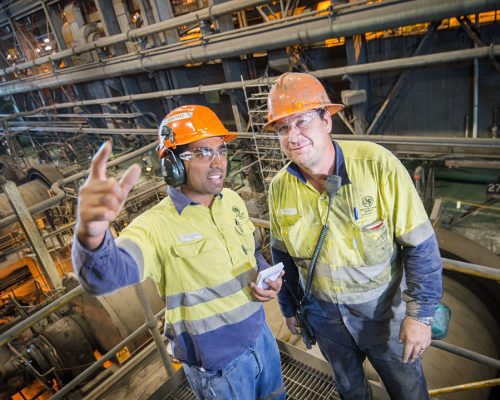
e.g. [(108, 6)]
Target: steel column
[(32, 233)]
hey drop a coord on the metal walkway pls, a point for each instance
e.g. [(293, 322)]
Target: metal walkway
[(304, 377)]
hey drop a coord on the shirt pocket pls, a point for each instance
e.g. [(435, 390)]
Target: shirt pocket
[(200, 264), (373, 242), (300, 237), (245, 244)]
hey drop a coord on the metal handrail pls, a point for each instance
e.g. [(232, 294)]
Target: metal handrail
[(465, 386)]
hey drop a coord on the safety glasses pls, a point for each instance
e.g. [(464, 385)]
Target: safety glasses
[(204, 154), (300, 122)]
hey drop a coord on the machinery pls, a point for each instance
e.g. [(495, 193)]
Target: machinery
[(418, 77)]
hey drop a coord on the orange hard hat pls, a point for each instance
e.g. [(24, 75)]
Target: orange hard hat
[(187, 124), (295, 92)]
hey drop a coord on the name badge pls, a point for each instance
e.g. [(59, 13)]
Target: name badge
[(190, 237), (288, 211)]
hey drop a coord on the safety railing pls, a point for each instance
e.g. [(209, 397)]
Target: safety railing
[(151, 325)]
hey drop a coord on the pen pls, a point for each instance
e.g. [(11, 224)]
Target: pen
[(356, 215)]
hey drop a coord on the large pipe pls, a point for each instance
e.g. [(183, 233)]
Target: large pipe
[(320, 28), (59, 193), (388, 65), (39, 315), (172, 23)]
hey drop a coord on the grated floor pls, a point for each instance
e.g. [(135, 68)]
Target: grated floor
[(302, 382)]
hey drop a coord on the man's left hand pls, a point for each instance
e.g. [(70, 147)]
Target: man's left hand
[(264, 295), (416, 337)]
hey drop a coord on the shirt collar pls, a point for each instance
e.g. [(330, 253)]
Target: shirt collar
[(181, 201), (340, 167)]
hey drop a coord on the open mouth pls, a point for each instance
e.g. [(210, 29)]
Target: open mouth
[(215, 177)]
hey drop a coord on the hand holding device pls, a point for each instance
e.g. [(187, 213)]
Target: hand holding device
[(271, 273)]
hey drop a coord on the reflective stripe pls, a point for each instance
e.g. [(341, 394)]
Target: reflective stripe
[(199, 326), (352, 297), (215, 292), (210, 308), (417, 235), (134, 250), (278, 244)]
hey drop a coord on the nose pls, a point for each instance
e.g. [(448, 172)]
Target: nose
[(293, 133)]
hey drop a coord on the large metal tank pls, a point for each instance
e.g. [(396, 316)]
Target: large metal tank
[(114, 317)]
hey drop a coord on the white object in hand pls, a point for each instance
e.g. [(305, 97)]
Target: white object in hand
[(271, 273)]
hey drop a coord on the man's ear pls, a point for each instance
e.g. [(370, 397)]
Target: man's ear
[(327, 120)]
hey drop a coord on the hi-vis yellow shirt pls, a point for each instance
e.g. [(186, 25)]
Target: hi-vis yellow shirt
[(373, 214), (202, 260)]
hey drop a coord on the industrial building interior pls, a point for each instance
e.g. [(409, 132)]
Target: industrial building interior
[(419, 77)]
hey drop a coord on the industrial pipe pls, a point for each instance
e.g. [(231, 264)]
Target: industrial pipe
[(171, 23), (318, 29), (471, 355), (379, 66), (95, 366), (465, 386), (472, 269), (43, 313), (59, 193)]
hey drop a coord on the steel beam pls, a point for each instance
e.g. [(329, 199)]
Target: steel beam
[(263, 38), (388, 65), (32, 233), (356, 55), (400, 82)]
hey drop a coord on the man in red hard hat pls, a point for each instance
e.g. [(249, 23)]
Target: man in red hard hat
[(377, 232), (198, 247)]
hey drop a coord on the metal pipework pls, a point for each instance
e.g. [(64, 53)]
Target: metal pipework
[(59, 193), (388, 65), (153, 329), (95, 367), (318, 29), (471, 355), (472, 269), (172, 23), (465, 386), (38, 316)]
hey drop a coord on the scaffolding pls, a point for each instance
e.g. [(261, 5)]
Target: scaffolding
[(270, 159)]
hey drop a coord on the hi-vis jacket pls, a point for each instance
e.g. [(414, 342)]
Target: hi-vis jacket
[(202, 261), (375, 214)]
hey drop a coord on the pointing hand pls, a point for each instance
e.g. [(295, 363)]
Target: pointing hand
[(101, 199)]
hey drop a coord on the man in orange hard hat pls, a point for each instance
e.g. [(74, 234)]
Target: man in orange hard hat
[(198, 247), (348, 224)]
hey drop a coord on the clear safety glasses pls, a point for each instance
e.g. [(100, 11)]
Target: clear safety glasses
[(204, 154), (300, 122)]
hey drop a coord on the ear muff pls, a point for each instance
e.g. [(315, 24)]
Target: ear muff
[(172, 169)]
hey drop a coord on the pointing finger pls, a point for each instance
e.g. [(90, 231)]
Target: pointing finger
[(129, 179), (98, 166)]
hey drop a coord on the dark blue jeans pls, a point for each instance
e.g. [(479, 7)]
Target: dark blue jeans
[(255, 374), (403, 381)]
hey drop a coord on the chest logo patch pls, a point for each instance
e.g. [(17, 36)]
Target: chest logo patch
[(238, 212), (368, 206), (367, 201)]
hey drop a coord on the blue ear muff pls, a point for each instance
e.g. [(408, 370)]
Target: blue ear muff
[(172, 169)]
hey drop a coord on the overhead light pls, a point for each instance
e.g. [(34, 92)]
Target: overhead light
[(46, 40), (48, 47)]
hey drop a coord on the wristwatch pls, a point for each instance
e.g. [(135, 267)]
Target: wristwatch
[(424, 320)]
